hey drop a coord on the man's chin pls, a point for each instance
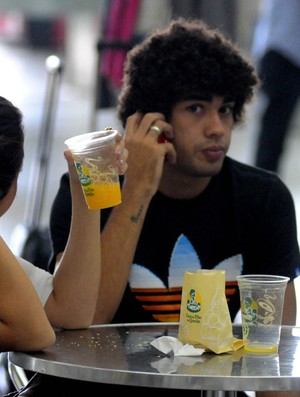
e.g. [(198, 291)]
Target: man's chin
[(212, 169)]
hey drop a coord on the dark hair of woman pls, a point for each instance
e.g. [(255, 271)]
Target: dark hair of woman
[(11, 144)]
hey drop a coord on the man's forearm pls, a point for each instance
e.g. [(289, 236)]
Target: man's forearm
[(119, 240)]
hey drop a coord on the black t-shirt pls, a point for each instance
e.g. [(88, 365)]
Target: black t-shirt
[(244, 222)]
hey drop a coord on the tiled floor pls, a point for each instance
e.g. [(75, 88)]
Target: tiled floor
[(23, 80)]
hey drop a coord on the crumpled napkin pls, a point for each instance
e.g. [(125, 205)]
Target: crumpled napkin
[(170, 365), (166, 344)]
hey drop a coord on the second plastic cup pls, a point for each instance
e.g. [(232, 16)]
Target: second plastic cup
[(94, 157), (262, 298)]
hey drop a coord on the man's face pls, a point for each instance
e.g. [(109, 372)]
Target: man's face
[(202, 134)]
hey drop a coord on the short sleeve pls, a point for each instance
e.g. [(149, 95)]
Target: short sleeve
[(41, 279)]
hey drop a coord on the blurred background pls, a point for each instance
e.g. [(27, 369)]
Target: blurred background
[(91, 38)]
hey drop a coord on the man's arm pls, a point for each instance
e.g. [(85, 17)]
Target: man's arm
[(122, 230), (119, 240)]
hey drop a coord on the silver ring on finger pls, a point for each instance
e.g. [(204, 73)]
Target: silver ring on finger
[(156, 129)]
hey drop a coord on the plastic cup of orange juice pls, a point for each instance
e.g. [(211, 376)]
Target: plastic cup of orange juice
[(94, 157), (262, 299)]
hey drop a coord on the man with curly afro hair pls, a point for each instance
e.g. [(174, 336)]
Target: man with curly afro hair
[(187, 60), (186, 205)]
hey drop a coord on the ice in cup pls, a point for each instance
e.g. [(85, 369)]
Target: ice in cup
[(94, 157), (262, 298)]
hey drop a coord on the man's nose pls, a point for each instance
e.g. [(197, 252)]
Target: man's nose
[(214, 124)]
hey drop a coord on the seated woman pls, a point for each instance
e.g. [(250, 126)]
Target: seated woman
[(23, 321), (69, 296)]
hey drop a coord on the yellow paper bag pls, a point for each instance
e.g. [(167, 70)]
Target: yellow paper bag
[(204, 316)]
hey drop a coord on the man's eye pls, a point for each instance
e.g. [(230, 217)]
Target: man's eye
[(195, 108), (228, 109)]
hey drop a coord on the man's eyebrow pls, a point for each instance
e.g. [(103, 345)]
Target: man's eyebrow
[(201, 97), (229, 99), (209, 98)]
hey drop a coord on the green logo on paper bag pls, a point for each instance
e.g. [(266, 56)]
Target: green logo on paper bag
[(193, 304)]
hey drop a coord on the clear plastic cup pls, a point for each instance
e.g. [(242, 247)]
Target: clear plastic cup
[(262, 299), (94, 157)]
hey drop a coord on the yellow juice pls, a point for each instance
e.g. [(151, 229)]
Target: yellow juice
[(261, 348), (102, 195)]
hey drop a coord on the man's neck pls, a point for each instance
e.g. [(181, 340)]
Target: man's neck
[(182, 187)]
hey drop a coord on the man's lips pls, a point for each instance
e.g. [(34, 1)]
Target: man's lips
[(214, 152)]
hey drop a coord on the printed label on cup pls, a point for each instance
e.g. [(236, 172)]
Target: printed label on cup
[(95, 162), (101, 189)]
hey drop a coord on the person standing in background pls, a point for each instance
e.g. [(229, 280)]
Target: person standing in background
[(276, 51)]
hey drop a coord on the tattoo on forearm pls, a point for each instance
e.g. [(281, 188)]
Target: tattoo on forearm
[(135, 218)]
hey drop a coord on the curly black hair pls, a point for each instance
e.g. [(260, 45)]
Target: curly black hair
[(11, 144), (187, 60)]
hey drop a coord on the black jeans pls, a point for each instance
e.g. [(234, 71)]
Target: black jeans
[(281, 89)]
